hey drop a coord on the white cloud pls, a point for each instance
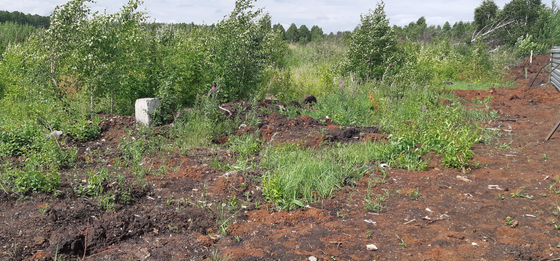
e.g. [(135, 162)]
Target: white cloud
[(331, 15)]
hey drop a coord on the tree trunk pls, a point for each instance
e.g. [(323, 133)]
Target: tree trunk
[(91, 103), (111, 102)]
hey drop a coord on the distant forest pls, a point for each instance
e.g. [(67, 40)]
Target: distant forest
[(36, 21)]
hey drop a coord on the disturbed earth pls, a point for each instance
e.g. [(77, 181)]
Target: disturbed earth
[(507, 207)]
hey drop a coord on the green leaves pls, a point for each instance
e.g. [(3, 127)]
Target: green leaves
[(241, 48), (372, 46)]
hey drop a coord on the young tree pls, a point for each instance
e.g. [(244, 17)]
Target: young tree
[(304, 34), (316, 34), (372, 45), (446, 30), (279, 29), (485, 13), (525, 14), (292, 34), (239, 51)]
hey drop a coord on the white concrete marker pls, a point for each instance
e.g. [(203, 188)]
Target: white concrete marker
[(144, 108)]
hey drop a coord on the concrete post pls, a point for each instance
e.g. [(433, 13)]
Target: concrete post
[(144, 108)]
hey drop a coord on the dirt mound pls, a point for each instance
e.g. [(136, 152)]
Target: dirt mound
[(309, 131), (303, 130)]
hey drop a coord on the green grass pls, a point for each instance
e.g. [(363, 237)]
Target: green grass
[(457, 85), (298, 175)]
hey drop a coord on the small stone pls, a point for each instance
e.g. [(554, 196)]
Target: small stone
[(372, 247), (270, 97), (514, 161), (312, 258), (54, 134), (39, 240)]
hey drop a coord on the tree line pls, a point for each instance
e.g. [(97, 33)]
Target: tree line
[(36, 21), (527, 24)]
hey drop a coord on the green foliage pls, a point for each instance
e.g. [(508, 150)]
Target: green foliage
[(238, 52), (12, 33), (304, 34), (292, 34), (105, 187), (526, 44), (24, 19), (526, 15), (298, 175), (485, 13), (346, 106), (246, 145), (316, 34), (34, 181), (17, 139), (279, 29), (372, 47)]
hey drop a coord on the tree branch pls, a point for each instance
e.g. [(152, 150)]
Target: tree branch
[(490, 28)]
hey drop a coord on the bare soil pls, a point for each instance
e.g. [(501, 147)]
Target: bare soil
[(458, 216)]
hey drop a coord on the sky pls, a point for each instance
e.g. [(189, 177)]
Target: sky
[(330, 15)]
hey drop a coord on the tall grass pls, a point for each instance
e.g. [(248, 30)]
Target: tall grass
[(11, 33), (301, 175)]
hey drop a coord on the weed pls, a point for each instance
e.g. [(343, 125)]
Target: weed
[(373, 206), (217, 257), (510, 222), (343, 216), (555, 187), (245, 145), (368, 234), (232, 203), (414, 195), (402, 244), (518, 194), (172, 228), (500, 196)]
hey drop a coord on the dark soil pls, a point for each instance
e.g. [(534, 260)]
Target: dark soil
[(177, 216)]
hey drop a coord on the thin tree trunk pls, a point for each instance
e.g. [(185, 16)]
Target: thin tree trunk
[(111, 102), (91, 103)]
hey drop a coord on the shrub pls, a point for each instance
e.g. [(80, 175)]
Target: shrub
[(372, 47)]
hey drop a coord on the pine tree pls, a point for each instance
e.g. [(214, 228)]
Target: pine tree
[(485, 13), (316, 34), (292, 34), (304, 34)]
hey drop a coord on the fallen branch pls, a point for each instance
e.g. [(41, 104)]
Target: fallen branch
[(221, 108), (490, 28), (4, 189), (408, 222), (85, 245), (441, 217)]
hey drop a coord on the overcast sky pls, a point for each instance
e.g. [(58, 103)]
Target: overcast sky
[(331, 15)]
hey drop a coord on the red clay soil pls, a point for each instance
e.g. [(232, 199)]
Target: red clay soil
[(457, 216)]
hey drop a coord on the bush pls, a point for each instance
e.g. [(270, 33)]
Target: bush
[(373, 45)]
